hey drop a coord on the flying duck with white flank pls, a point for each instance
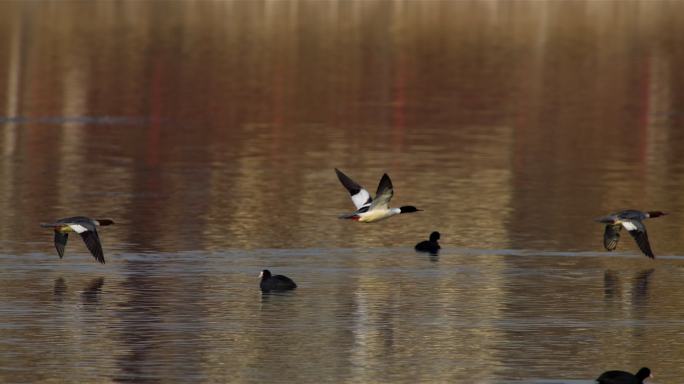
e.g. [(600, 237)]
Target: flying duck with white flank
[(369, 210), (84, 226), (631, 220)]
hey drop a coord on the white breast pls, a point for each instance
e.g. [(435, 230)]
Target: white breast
[(378, 214)]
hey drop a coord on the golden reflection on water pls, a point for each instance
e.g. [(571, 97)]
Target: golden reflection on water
[(209, 132)]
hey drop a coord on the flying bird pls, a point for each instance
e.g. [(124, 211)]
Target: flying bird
[(631, 220), (369, 210), (84, 226)]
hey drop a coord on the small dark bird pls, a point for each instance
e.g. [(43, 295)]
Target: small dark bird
[(431, 245), (621, 377), (275, 283), (367, 209), (631, 220), (84, 226)]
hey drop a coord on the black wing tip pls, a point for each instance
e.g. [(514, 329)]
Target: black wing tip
[(98, 256), (92, 242), (384, 184), (641, 239), (648, 252), (350, 185)]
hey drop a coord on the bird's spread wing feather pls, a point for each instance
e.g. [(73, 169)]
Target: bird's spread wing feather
[(92, 241), (360, 196), (60, 242), (384, 193), (638, 231), (611, 236)]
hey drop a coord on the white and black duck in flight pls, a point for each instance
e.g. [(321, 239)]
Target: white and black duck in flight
[(84, 226), (367, 209), (631, 220)]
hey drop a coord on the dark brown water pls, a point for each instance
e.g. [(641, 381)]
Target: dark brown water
[(209, 132)]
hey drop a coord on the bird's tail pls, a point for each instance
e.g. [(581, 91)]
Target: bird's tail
[(350, 216)]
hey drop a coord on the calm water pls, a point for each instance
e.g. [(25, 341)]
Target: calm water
[(209, 132)]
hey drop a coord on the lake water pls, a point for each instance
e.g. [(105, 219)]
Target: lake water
[(209, 131)]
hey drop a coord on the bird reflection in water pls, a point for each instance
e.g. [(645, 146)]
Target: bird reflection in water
[(59, 290), (639, 297), (611, 288), (266, 296), (640, 289), (91, 293)]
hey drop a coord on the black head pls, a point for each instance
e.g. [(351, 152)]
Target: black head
[(104, 222), (409, 209), (434, 236), (656, 213), (643, 374), (265, 274)]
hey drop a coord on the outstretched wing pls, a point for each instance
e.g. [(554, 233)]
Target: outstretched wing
[(384, 193), (92, 241), (611, 236), (638, 231), (360, 197), (60, 242)]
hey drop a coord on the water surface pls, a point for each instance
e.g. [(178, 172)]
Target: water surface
[(209, 132)]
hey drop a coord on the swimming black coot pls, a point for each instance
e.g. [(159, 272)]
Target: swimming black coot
[(275, 282), (622, 377), (431, 245)]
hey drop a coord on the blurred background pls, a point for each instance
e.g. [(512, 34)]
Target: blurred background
[(208, 131)]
